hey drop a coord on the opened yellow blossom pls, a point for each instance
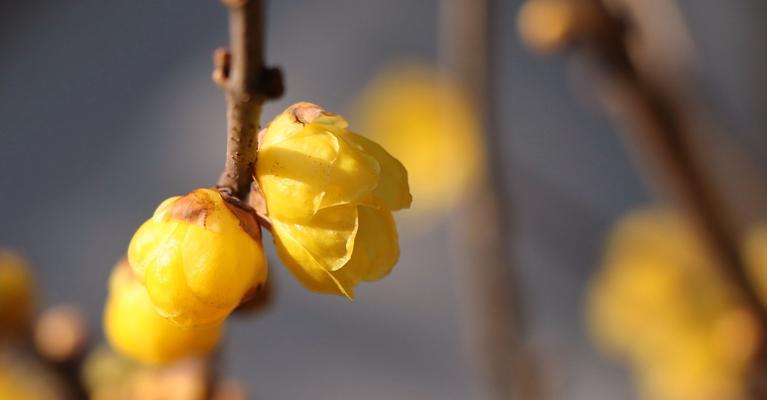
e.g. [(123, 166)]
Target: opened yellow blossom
[(658, 304), (330, 194), (134, 328), (199, 258), (425, 120), (17, 294)]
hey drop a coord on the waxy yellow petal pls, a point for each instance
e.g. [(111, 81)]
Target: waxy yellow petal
[(313, 169), (306, 268), (376, 248), (328, 239), (392, 190)]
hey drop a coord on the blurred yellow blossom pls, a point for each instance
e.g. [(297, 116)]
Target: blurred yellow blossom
[(186, 380), (22, 378), (108, 376), (658, 304), (17, 294), (544, 25), (134, 328), (330, 194), (199, 258), (424, 119)]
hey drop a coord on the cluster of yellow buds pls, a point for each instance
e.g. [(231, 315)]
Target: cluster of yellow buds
[(33, 343), (188, 267), (328, 196), (659, 305)]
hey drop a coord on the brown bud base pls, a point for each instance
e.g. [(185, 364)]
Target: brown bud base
[(195, 208), (244, 213)]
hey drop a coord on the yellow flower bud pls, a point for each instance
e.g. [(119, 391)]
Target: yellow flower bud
[(134, 328), (329, 193), (199, 258), (17, 294)]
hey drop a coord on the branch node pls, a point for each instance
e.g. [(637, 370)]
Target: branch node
[(247, 83), (222, 63)]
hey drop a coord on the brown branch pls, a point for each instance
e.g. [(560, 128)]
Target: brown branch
[(247, 83), (655, 129)]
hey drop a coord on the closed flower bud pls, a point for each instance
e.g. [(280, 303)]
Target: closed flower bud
[(17, 294), (134, 328), (329, 193), (199, 258)]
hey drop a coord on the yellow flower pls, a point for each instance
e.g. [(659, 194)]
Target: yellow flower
[(329, 194), (134, 328), (17, 294), (199, 258), (424, 119), (659, 304)]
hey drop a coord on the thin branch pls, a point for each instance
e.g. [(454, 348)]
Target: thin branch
[(655, 131), (241, 73)]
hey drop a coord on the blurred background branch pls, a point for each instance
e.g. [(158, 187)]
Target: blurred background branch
[(655, 123), (493, 313)]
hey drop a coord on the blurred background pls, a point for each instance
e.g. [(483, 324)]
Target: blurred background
[(107, 107)]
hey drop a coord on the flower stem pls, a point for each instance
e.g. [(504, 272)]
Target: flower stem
[(241, 74)]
